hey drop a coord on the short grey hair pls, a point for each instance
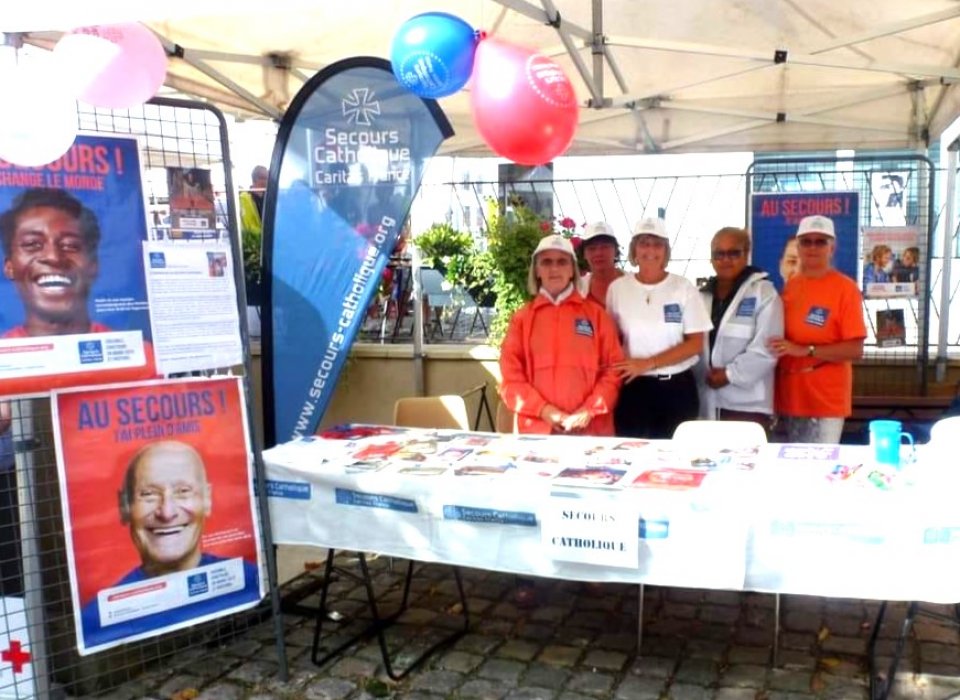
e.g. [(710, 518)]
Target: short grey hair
[(740, 235), (258, 172)]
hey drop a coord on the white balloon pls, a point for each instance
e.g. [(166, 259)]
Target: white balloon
[(38, 122)]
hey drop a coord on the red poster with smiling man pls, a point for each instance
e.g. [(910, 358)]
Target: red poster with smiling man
[(156, 481)]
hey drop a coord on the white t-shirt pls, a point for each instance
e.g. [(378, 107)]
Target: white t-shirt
[(655, 317)]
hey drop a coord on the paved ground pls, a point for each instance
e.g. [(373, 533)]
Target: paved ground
[(577, 644)]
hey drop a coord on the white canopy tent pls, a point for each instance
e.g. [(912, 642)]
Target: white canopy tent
[(652, 75)]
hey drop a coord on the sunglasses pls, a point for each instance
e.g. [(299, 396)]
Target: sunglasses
[(731, 254), (807, 242)]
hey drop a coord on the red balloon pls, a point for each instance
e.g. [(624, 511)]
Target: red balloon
[(524, 105)]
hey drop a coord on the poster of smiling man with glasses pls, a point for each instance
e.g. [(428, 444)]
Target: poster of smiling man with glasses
[(773, 225)]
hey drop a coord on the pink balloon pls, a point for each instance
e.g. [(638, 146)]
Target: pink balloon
[(116, 66), (524, 105)]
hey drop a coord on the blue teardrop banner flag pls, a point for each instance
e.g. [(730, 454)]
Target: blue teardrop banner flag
[(348, 161)]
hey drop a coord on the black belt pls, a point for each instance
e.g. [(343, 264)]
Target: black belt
[(664, 377)]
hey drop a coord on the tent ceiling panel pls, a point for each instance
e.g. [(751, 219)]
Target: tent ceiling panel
[(697, 75)]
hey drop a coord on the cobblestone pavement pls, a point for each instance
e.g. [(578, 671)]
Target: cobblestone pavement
[(578, 643)]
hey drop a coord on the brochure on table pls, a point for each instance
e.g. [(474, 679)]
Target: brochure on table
[(498, 500)]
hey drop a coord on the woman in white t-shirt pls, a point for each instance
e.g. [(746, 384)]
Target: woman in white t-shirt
[(662, 321)]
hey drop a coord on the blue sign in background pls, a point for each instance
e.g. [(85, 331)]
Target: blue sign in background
[(348, 161), (774, 219), (103, 172)]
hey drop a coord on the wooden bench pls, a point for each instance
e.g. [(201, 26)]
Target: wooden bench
[(914, 411)]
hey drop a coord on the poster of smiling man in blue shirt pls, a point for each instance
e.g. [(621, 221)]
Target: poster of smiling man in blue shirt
[(164, 499), (166, 537)]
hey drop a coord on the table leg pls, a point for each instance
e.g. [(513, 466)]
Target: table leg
[(379, 624), (381, 628), (321, 614), (881, 689), (453, 323), (478, 316), (639, 620), (776, 629)]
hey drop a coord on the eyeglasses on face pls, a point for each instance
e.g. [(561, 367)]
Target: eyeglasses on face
[(807, 242), (729, 254)]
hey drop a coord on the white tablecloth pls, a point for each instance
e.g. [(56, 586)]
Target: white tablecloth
[(809, 519)]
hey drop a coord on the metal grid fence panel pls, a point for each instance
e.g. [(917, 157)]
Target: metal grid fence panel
[(893, 191), (33, 552)]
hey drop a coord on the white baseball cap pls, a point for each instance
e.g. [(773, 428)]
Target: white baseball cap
[(598, 231), (816, 224), (651, 227), (555, 242)]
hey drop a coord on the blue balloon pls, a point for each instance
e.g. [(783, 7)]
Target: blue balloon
[(432, 54)]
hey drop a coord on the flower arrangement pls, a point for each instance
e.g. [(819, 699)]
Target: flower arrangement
[(497, 275), (251, 240), (512, 238), (567, 227)]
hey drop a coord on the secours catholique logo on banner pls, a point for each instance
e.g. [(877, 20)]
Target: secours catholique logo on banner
[(348, 161)]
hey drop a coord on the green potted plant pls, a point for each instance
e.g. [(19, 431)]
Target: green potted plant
[(455, 254), (474, 272), (511, 237), (251, 240), (440, 244)]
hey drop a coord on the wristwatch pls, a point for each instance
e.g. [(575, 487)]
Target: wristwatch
[(810, 350)]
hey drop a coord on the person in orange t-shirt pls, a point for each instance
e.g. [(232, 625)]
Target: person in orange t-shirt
[(823, 334), (558, 354)]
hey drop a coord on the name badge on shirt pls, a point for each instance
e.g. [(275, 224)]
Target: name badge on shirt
[(672, 313), (817, 316), (747, 307), (583, 326)]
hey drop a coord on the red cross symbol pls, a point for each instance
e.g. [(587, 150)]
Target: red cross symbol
[(16, 656)]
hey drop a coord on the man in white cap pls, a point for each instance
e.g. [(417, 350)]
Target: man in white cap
[(601, 251), (558, 353), (823, 335)]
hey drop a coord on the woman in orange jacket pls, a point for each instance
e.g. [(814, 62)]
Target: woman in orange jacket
[(557, 358)]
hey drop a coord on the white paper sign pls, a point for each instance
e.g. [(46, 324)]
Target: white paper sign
[(135, 600), (62, 354), (588, 530), (193, 307)]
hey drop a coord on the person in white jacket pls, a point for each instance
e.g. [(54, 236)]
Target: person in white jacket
[(737, 372)]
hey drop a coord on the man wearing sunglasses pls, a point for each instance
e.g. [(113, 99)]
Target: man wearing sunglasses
[(824, 333), (735, 376)]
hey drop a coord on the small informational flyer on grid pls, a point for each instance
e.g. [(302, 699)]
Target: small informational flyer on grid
[(193, 302)]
